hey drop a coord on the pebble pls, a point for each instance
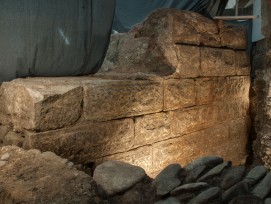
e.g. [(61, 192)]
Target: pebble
[(3, 163), (255, 175), (195, 173), (188, 188), (246, 199), (206, 196), (240, 188), (5, 157), (208, 161), (264, 187), (232, 176), (267, 201), (214, 171), (170, 200), (168, 179)]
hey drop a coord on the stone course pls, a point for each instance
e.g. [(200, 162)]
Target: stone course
[(164, 94)]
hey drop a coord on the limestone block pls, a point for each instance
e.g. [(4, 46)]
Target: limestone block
[(217, 62), (178, 93), (179, 26), (218, 88), (141, 156), (152, 128), (242, 63), (108, 99), (3, 132), (40, 104), (186, 148), (233, 36), (13, 138), (188, 61), (85, 142), (193, 119)]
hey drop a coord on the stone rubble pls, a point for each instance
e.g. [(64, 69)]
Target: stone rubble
[(35, 177)]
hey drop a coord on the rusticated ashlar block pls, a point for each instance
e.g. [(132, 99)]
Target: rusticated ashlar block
[(186, 148), (152, 128), (109, 99), (242, 61), (179, 93), (193, 119), (212, 89), (233, 36), (40, 104), (140, 157), (188, 61), (85, 142), (217, 62)]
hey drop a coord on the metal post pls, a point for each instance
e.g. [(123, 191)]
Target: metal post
[(236, 7)]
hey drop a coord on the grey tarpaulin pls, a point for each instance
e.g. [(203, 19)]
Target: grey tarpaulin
[(131, 12), (53, 37)]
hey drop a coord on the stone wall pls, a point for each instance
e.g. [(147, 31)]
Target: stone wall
[(262, 89), (173, 89)]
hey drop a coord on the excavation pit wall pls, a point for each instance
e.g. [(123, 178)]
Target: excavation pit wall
[(189, 108)]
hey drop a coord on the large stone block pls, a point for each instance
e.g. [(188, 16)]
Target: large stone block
[(40, 104), (218, 88), (186, 148), (85, 142), (179, 93), (188, 61), (233, 36), (193, 119), (217, 62), (108, 99), (152, 128), (242, 61)]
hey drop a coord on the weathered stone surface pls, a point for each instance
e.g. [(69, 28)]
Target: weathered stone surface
[(186, 148), (217, 62), (193, 119), (242, 61), (35, 177), (190, 187), (232, 176), (152, 128), (140, 157), (3, 132), (216, 171), (255, 175), (108, 99), (178, 94), (13, 138), (41, 104), (115, 177), (210, 89), (206, 196), (233, 36), (85, 142), (263, 188), (188, 61), (168, 179), (243, 199)]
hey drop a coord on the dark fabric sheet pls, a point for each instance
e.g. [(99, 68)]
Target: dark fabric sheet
[(53, 37), (131, 12)]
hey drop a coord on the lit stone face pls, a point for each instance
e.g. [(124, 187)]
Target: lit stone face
[(179, 94), (116, 99)]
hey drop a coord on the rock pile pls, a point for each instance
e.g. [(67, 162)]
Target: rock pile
[(205, 180), (35, 177)]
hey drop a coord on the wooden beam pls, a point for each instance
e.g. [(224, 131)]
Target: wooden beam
[(230, 18)]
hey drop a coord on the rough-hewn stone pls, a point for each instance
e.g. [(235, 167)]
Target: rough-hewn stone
[(109, 99), (217, 62), (85, 142), (242, 63), (35, 177), (153, 128), (40, 104), (178, 94)]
